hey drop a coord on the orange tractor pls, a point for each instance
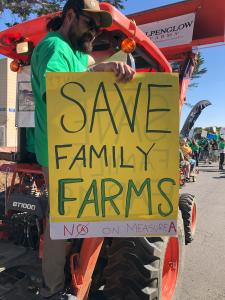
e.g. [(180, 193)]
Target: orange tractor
[(99, 268)]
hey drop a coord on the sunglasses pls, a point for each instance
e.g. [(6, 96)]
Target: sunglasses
[(91, 22)]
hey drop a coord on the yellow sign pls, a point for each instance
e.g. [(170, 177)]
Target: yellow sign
[(113, 154)]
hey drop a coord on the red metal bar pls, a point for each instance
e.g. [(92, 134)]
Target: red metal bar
[(83, 265), (23, 168)]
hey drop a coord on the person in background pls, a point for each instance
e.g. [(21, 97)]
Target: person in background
[(195, 150), (222, 153), (199, 142), (214, 144), (205, 150), (202, 148), (184, 164), (187, 152)]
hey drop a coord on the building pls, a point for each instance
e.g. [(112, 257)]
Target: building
[(8, 131)]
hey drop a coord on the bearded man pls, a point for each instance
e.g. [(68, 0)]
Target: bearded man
[(65, 48)]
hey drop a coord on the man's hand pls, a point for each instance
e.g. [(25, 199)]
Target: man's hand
[(122, 71)]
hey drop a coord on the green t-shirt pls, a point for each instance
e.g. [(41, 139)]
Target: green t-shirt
[(222, 146), (194, 147), (52, 54)]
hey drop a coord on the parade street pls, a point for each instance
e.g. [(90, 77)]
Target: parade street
[(204, 267)]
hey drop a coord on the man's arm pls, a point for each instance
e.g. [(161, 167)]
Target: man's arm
[(91, 61)]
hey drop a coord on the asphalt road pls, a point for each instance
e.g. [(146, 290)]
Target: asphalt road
[(204, 268)]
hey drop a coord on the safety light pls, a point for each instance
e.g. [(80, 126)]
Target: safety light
[(24, 47), (15, 66), (128, 45)]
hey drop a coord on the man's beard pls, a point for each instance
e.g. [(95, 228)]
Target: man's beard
[(83, 43)]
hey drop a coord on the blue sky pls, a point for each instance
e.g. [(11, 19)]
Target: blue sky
[(211, 86)]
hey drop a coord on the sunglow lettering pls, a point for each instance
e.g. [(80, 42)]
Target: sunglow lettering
[(170, 29)]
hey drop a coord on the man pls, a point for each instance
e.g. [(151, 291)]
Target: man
[(214, 144), (222, 153), (65, 48), (195, 150), (205, 149)]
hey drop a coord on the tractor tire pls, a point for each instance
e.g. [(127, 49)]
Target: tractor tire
[(188, 209), (144, 268)]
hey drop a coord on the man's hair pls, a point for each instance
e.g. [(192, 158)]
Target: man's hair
[(56, 22)]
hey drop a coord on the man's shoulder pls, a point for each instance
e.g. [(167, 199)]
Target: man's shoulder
[(53, 40), (51, 44)]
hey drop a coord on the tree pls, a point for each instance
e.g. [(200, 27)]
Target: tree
[(197, 73), (198, 70), (22, 10)]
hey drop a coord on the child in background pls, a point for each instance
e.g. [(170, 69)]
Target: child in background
[(187, 152)]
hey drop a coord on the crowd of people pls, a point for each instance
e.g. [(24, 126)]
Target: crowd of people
[(194, 150)]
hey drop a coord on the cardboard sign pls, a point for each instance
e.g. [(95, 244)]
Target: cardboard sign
[(171, 32), (211, 136), (204, 133), (222, 131), (113, 154)]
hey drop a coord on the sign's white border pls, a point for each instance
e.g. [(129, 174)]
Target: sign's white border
[(131, 228)]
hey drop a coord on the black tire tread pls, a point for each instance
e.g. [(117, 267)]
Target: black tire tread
[(135, 266), (186, 203), (133, 269)]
